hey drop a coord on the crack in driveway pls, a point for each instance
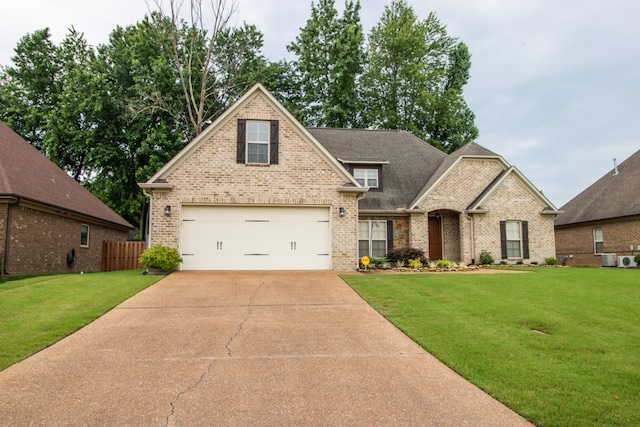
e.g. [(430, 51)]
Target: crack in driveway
[(209, 366), (247, 317), (174, 402)]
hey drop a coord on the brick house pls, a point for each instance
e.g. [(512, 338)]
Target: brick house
[(257, 190), (603, 219), (46, 217)]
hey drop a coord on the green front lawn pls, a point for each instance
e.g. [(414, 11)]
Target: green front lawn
[(560, 346), (38, 311)]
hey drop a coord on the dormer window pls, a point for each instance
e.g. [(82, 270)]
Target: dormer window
[(366, 177)]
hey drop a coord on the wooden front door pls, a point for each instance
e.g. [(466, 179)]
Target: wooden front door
[(435, 238)]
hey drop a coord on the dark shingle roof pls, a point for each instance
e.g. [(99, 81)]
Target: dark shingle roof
[(26, 173), (411, 161), (612, 196)]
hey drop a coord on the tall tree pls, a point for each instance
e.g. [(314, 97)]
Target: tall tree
[(214, 62), (453, 123), (395, 81), (414, 77), (28, 89), (330, 58), (135, 143), (72, 126)]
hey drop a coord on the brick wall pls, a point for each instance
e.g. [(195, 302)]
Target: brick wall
[(3, 227), (419, 232), (451, 236), (40, 242), (577, 246), (211, 176), (452, 196), (513, 200)]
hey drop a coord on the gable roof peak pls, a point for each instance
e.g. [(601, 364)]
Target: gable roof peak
[(472, 148), (258, 90)]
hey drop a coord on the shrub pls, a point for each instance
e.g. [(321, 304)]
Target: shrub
[(375, 262), (637, 259), (551, 261), (404, 254), (415, 263), (159, 256), (400, 263), (444, 263), (485, 258)]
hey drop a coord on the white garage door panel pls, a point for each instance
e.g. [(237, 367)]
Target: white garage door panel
[(255, 238)]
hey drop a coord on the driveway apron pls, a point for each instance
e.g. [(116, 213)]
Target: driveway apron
[(241, 349)]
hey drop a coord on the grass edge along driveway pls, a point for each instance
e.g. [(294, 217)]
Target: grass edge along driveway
[(560, 346), (36, 312)]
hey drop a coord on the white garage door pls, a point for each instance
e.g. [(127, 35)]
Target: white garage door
[(255, 238)]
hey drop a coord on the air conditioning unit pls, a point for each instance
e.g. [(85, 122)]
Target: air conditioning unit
[(627, 261), (608, 260)]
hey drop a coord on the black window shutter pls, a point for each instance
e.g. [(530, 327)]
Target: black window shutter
[(525, 239), (503, 239), (242, 138), (274, 143), (389, 234)]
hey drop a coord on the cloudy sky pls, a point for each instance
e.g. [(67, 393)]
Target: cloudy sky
[(553, 83)]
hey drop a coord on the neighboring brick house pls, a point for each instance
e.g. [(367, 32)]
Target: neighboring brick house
[(603, 219), (257, 190), (46, 216)]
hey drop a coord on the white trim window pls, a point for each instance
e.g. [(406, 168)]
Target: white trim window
[(84, 236), (258, 142), (514, 239), (366, 177), (372, 239), (598, 241)]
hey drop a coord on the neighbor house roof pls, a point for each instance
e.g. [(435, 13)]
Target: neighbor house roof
[(407, 162), (26, 174), (612, 196)]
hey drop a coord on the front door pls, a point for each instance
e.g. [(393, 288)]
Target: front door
[(435, 238)]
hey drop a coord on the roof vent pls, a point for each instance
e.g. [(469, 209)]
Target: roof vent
[(615, 166)]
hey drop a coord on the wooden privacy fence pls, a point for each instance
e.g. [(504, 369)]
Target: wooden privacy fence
[(119, 255)]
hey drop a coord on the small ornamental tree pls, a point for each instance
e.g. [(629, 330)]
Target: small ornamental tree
[(162, 257)]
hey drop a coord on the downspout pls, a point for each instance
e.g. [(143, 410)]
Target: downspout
[(473, 238), (7, 235), (147, 238), (359, 197)]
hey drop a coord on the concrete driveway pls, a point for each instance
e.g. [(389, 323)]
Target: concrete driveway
[(240, 349)]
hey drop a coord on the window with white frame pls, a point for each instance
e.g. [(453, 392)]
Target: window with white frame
[(84, 236), (366, 177), (514, 239), (372, 239), (258, 142), (598, 242)]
